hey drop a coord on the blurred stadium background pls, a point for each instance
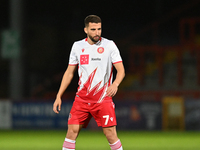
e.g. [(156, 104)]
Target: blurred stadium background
[(159, 41)]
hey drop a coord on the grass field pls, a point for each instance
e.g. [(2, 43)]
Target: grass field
[(95, 140)]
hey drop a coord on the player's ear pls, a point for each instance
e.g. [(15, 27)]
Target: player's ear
[(85, 29)]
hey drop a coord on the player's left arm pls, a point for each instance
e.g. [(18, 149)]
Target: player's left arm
[(113, 88)]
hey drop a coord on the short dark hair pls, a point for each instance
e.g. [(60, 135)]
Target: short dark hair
[(92, 19)]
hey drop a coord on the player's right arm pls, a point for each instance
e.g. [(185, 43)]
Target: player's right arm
[(66, 80)]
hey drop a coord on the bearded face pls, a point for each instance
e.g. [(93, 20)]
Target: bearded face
[(93, 32)]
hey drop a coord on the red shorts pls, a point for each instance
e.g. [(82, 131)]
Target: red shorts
[(103, 113)]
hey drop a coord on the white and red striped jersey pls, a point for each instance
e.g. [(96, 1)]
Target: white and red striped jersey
[(95, 68)]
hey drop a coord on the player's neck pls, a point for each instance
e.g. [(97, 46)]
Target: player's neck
[(90, 41)]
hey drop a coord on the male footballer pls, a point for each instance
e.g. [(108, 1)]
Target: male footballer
[(95, 57)]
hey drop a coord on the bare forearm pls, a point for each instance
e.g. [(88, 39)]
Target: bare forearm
[(120, 73), (66, 80), (119, 77), (112, 90)]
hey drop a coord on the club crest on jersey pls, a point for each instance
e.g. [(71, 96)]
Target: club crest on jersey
[(100, 50)]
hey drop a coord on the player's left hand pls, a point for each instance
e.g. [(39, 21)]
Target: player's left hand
[(112, 90), (57, 105)]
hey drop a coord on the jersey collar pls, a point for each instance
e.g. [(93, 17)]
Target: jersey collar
[(97, 43)]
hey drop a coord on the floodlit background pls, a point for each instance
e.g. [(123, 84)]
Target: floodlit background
[(159, 41)]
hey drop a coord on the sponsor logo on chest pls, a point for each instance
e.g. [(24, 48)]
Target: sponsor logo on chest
[(96, 59), (84, 58)]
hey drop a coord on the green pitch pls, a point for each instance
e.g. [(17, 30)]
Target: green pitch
[(95, 140)]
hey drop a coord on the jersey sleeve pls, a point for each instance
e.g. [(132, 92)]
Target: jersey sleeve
[(115, 54), (73, 60)]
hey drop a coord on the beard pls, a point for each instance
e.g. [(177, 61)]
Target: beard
[(94, 39)]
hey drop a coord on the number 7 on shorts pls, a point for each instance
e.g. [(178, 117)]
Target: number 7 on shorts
[(107, 118)]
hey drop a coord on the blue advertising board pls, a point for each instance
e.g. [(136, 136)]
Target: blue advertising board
[(39, 115), (139, 115), (192, 114), (130, 115)]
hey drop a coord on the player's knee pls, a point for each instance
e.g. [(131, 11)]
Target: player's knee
[(72, 133), (110, 133)]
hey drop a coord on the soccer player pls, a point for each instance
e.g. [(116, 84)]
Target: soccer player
[(95, 57)]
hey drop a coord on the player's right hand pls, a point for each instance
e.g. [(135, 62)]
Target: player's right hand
[(57, 105)]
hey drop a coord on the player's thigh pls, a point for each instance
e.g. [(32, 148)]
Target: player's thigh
[(104, 114), (79, 114)]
